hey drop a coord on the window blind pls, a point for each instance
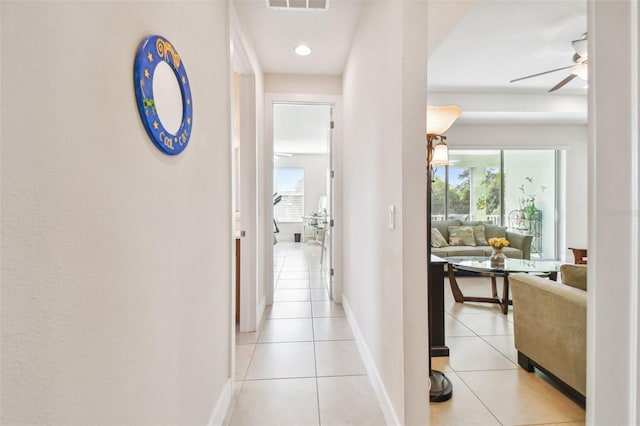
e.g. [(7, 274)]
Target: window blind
[(289, 183)]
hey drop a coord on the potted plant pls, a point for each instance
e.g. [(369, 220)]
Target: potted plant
[(528, 200)]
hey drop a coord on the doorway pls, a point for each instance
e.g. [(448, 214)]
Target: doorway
[(304, 199)]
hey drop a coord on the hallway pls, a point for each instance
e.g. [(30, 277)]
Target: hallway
[(302, 367)]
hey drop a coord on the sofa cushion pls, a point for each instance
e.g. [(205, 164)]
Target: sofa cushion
[(574, 276), (478, 234), (494, 231), (461, 236), (437, 240), (443, 226)]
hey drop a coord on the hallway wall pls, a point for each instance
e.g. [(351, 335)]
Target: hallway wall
[(115, 257), (385, 271), (303, 84)]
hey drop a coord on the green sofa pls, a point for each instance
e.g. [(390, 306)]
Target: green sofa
[(520, 244), (550, 326)]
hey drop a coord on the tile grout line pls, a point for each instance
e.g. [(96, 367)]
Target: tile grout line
[(234, 404), (479, 399), (303, 377), (482, 338), (312, 317), (315, 359)]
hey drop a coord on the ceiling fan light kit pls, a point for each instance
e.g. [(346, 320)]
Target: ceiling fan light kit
[(578, 69)]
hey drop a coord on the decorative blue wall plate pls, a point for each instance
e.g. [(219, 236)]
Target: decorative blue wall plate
[(152, 51)]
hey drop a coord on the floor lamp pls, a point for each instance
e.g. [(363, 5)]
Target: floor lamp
[(439, 119)]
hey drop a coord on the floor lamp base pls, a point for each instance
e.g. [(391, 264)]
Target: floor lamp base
[(441, 389)]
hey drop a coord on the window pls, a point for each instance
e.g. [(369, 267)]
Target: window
[(458, 196), (289, 183), (512, 188)]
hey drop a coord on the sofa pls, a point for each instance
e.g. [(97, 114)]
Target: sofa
[(519, 244), (550, 326)]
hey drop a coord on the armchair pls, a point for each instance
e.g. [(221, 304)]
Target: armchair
[(550, 326)]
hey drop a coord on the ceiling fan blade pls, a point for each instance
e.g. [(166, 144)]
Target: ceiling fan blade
[(563, 82), (543, 73)]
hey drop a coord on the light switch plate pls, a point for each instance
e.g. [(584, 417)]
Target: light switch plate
[(392, 217)]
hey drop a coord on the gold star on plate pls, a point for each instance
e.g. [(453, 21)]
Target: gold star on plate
[(175, 139), (188, 120), (146, 73), (150, 56), (184, 80), (155, 124)]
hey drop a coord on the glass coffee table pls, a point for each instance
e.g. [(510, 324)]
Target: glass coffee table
[(482, 266)]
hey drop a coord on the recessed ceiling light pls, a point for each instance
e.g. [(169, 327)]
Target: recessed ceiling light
[(302, 50)]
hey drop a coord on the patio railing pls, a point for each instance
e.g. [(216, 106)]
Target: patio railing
[(491, 218)]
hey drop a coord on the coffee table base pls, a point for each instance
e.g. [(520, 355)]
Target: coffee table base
[(503, 301)]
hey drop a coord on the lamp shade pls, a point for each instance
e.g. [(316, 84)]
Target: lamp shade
[(440, 155), (439, 119)]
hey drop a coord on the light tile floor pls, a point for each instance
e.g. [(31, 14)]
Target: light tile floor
[(303, 367), (489, 388)]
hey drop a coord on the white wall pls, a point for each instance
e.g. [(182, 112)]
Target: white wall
[(116, 257), (571, 138), (303, 84), (315, 184), (613, 331), (385, 271)]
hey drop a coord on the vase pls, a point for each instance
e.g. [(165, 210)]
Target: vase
[(497, 258)]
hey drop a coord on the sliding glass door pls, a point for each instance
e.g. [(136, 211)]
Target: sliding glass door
[(512, 188), (530, 197)]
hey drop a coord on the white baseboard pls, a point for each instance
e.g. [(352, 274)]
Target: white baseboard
[(222, 406), (390, 414)]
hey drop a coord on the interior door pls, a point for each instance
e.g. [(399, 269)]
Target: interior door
[(329, 231), (247, 203)]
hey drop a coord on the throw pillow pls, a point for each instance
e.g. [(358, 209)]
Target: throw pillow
[(437, 240), (494, 231), (461, 236), (574, 276), (478, 233)]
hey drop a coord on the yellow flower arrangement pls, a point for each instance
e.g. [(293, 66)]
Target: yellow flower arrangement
[(498, 243)]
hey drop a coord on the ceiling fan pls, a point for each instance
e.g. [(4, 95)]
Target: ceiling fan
[(579, 68)]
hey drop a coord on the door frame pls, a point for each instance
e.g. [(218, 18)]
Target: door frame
[(241, 64), (335, 159)]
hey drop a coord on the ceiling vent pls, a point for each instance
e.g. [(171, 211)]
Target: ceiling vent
[(298, 4)]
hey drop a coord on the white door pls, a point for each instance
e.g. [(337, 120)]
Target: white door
[(330, 226)]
